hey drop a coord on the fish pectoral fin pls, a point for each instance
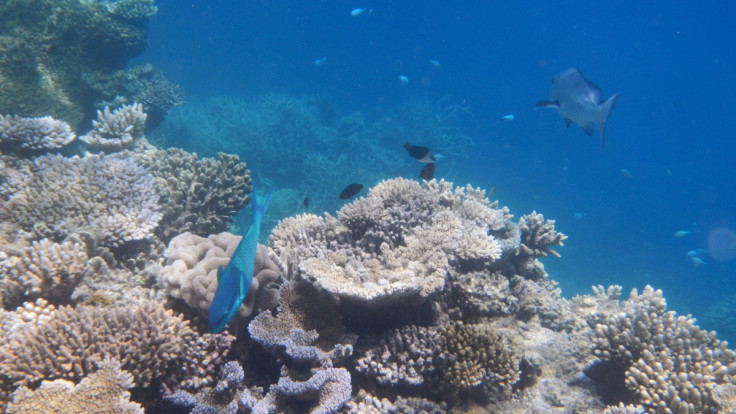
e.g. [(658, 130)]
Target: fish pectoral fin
[(588, 128), (567, 123), (548, 104)]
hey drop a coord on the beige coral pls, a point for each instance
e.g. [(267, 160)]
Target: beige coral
[(396, 244), (671, 364), (18, 134), (197, 195), (103, 392), (45, 268), (116, 130), (66, 343), (191, 272)]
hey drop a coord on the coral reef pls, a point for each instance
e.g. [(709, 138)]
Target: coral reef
[(132, 9), (117, 130), (47, 46), (197, 195), (665, 360), (191, 272), (104, 391), (44, 269), (396, 244), (111, 198), (46, 343), (19, 135)]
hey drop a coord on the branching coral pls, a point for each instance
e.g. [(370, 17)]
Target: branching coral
[(66, 343), (116, 130), (197, 195), (132, 9), (191, 272), (670, 364), (396, 244), (109, 197), (47, 269), (18, 134), (103, 392)]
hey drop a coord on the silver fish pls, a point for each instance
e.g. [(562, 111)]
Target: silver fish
[(579, 101)]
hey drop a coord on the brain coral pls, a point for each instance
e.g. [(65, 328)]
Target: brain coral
[(670, 364), (191, 272), (395, 244), (198, 195), (110, 197), (103, 392), (18, 134), (67, 343)]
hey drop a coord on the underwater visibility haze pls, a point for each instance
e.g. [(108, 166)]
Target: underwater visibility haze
[(457, 188)]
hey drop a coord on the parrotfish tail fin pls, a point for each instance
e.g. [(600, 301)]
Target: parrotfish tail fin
[(260, 203), (604, 109)]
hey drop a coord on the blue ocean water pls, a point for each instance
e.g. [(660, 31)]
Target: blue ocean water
[(669, 161)]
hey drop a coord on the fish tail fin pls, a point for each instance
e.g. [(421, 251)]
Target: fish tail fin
[(260, 203), (605, 108)]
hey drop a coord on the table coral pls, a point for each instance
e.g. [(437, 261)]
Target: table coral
[(191, 272), (103, 392), (106, 196), (197, 195), (18, 134), (395, 244), (670, 364)]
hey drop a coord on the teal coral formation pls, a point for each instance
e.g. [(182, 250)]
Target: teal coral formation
[(47, 45)]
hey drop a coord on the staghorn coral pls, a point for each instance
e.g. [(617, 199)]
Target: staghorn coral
[(18, 134), (669, 364), (66, 342), (191, 272), (45, 268), (109, 197), (538, 236), (117, 130), (197, 195), (396, 244), (103, 392)]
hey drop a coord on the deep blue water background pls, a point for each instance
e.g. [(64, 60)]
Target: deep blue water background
[(673, 64)]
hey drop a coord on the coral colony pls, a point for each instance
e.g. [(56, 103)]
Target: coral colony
[(414, 296)]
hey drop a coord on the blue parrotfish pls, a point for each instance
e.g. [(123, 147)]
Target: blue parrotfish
[(234, 280), (579, 101)]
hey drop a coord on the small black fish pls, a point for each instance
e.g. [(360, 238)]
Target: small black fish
[(427, 172), (421, 154), (306, 203), (350, 191)]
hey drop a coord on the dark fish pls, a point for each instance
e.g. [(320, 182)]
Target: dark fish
[(421, 154), (350, 191), (579, 101), (427, 172), (306, 203)]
